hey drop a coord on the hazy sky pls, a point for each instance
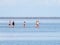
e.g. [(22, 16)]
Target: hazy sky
[(30, 8)]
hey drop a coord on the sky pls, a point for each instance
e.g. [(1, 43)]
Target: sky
[(29, 8)]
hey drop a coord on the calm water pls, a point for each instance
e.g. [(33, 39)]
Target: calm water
[(31, 42), (30, 27)]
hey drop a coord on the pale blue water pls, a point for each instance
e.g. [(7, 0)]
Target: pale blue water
[(30, 27), (31, 42)]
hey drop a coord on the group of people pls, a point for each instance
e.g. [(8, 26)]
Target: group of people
[(12, 24)]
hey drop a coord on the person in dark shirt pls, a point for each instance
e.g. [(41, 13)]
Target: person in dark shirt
[(13, 24)]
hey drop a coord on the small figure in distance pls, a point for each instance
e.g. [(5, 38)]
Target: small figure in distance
[(13, 24), (37, 23), (9, 23), (24, 24)]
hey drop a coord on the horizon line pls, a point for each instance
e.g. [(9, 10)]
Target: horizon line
[(29, 17)]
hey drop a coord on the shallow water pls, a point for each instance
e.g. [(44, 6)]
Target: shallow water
[(30, 27), (45, 28), (31, 42)]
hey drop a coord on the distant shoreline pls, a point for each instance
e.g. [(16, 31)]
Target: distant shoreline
[(29, 17)]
